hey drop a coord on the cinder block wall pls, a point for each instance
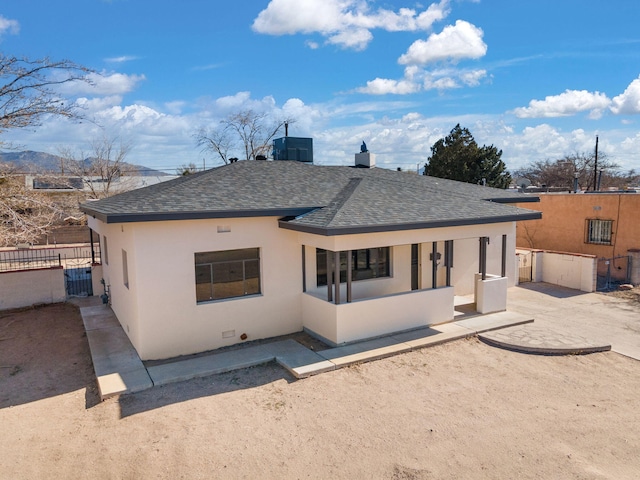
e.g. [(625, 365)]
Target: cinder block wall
[(29, 287)]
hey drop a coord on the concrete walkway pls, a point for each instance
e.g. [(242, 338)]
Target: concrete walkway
[(119, 369), (116, 363)]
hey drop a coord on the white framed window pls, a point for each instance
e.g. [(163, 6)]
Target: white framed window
[(227, 274), (599, 231)]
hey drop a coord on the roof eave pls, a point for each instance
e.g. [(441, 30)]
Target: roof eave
[(192, 215), (356, 229), (527, 199)]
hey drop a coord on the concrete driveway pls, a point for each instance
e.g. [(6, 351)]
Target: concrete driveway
[(595, 316)]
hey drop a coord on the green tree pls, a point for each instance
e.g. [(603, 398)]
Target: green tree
[(458, 157)]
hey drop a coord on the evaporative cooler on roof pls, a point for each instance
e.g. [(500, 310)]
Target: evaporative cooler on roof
[(293, 148)]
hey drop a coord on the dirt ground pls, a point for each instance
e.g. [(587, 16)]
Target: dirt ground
[(462, 410), (633, 295)]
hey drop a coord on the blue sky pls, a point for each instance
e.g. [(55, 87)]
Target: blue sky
[(537, 79)]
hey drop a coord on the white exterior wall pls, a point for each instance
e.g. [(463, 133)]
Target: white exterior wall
[(124, 301), (159, 313), (380, 316), (465, 265), (162, 274), (373, 317), (491, 294)]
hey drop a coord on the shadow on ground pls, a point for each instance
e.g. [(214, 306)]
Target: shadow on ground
[(551, 290), (158, 397), (44, 353)]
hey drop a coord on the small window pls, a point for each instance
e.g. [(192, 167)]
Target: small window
[(227, 274), (125, 269), (599, 231), (106, 250), (365, 263)]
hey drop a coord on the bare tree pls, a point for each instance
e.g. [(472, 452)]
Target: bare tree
[(27, 95), (564, 171), (247, 131), (103, 169), (28, 90), (25, 215), (186, 169)]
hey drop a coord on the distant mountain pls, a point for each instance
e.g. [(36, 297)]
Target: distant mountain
[(40, 162)]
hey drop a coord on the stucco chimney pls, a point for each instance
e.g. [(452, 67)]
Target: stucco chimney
[(366, 159)]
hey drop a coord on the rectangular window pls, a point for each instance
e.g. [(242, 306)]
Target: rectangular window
[(599, 231), (365, 263), (227, 274), (106, 250), (125, 269)]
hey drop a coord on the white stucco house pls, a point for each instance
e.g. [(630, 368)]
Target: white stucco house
[(257, 249)]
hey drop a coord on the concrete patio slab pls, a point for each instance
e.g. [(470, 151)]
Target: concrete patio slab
[(210, 364), (364, 351), (494, 321), (298, 359), (541, 340), (602, 319)]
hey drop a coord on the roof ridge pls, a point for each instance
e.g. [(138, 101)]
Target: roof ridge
[(341, 198)]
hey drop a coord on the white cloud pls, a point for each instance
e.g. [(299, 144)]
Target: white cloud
[(417, 79), (456, 42), (9, 26), (383, 86), (176, 107), (628, 103), (121, 59), (92, 105), (568, 103), (103, 84), (223, 106), (357, 39), (347, 23), (307, 118), (472, 78), (394, 130), (204, 68)]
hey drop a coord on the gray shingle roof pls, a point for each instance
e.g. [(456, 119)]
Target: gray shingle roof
[(328, 200)]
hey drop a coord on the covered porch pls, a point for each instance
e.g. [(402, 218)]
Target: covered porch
[(359, 293)]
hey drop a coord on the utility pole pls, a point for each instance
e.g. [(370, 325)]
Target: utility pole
[(595, 169)]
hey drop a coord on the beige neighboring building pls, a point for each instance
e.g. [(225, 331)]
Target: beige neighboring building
[(604, 224), (258, 249)]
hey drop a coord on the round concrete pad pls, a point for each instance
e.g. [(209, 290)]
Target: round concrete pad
[(531, 338)]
